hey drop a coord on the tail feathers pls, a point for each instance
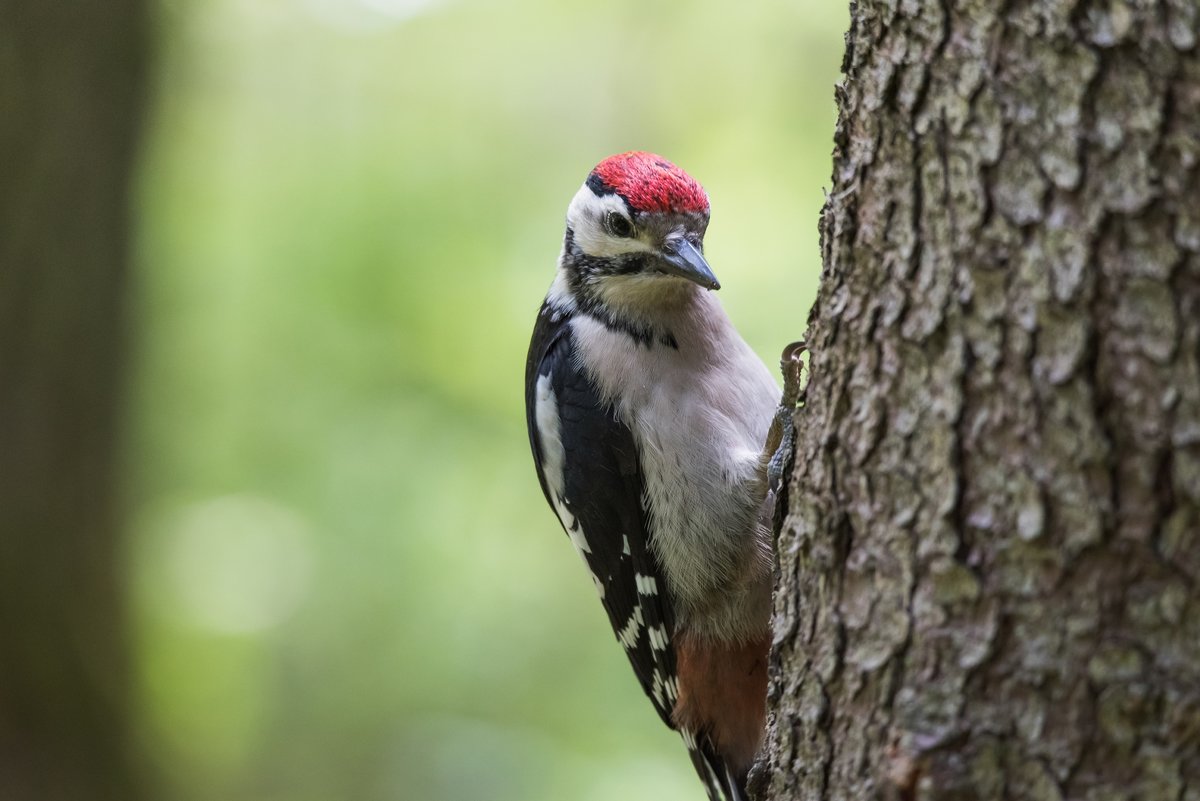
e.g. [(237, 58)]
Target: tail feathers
[(720, 782)]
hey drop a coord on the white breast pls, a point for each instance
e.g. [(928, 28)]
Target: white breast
[(699, 414)]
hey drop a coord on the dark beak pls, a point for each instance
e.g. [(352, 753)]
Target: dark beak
[(680, 257)]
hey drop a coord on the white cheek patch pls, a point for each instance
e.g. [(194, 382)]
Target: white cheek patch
[(560, 296), (585, 217)]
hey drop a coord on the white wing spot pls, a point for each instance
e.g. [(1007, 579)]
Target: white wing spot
[(628, 635), (658, 638), (646, 585), (657, 689), (625, 548), (689, 739), (576, 534)]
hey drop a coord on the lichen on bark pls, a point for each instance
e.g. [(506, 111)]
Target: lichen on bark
[(988, 573)]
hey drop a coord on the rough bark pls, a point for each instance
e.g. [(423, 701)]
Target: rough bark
[(988, 576), (70, 80)]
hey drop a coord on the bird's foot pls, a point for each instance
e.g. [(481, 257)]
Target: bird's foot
[(780, 446), (791, 364)]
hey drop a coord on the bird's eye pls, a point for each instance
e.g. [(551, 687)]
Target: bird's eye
[(618, 224)]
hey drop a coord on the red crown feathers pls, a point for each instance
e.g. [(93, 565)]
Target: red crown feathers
[(649, 183)]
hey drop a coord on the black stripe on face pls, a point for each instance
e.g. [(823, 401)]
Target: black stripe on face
[(600, 189), (628, 265), (580, 268)]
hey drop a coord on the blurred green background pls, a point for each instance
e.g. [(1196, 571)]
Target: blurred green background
[(347, 585)]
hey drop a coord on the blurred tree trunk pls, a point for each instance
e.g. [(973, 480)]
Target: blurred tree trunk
[(71, 80), (989, 569)]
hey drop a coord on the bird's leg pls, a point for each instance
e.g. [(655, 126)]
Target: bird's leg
[(774, 466), (779, 449), (781, 439)]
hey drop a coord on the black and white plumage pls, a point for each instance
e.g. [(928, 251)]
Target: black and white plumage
[(600, 493), (647, 416)]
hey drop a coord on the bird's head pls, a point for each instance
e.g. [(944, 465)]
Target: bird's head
[(635, 232)]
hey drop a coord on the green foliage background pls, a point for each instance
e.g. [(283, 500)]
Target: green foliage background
[(346, 583)]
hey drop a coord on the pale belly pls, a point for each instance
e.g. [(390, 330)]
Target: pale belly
[(700, 423)]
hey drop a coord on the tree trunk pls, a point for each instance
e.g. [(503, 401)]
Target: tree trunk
[(988, 575), (70, 91)]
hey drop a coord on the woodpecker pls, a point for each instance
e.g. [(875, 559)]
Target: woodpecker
[(648, 419)]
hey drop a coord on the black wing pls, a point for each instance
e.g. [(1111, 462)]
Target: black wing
[(595, 488), (588, 466)]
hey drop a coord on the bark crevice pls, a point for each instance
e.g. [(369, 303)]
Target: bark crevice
[(989, 553)]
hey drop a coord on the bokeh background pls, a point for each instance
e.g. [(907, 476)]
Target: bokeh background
[(345, 580)]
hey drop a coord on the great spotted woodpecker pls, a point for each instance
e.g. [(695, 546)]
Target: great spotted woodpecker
[(648, 418)]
